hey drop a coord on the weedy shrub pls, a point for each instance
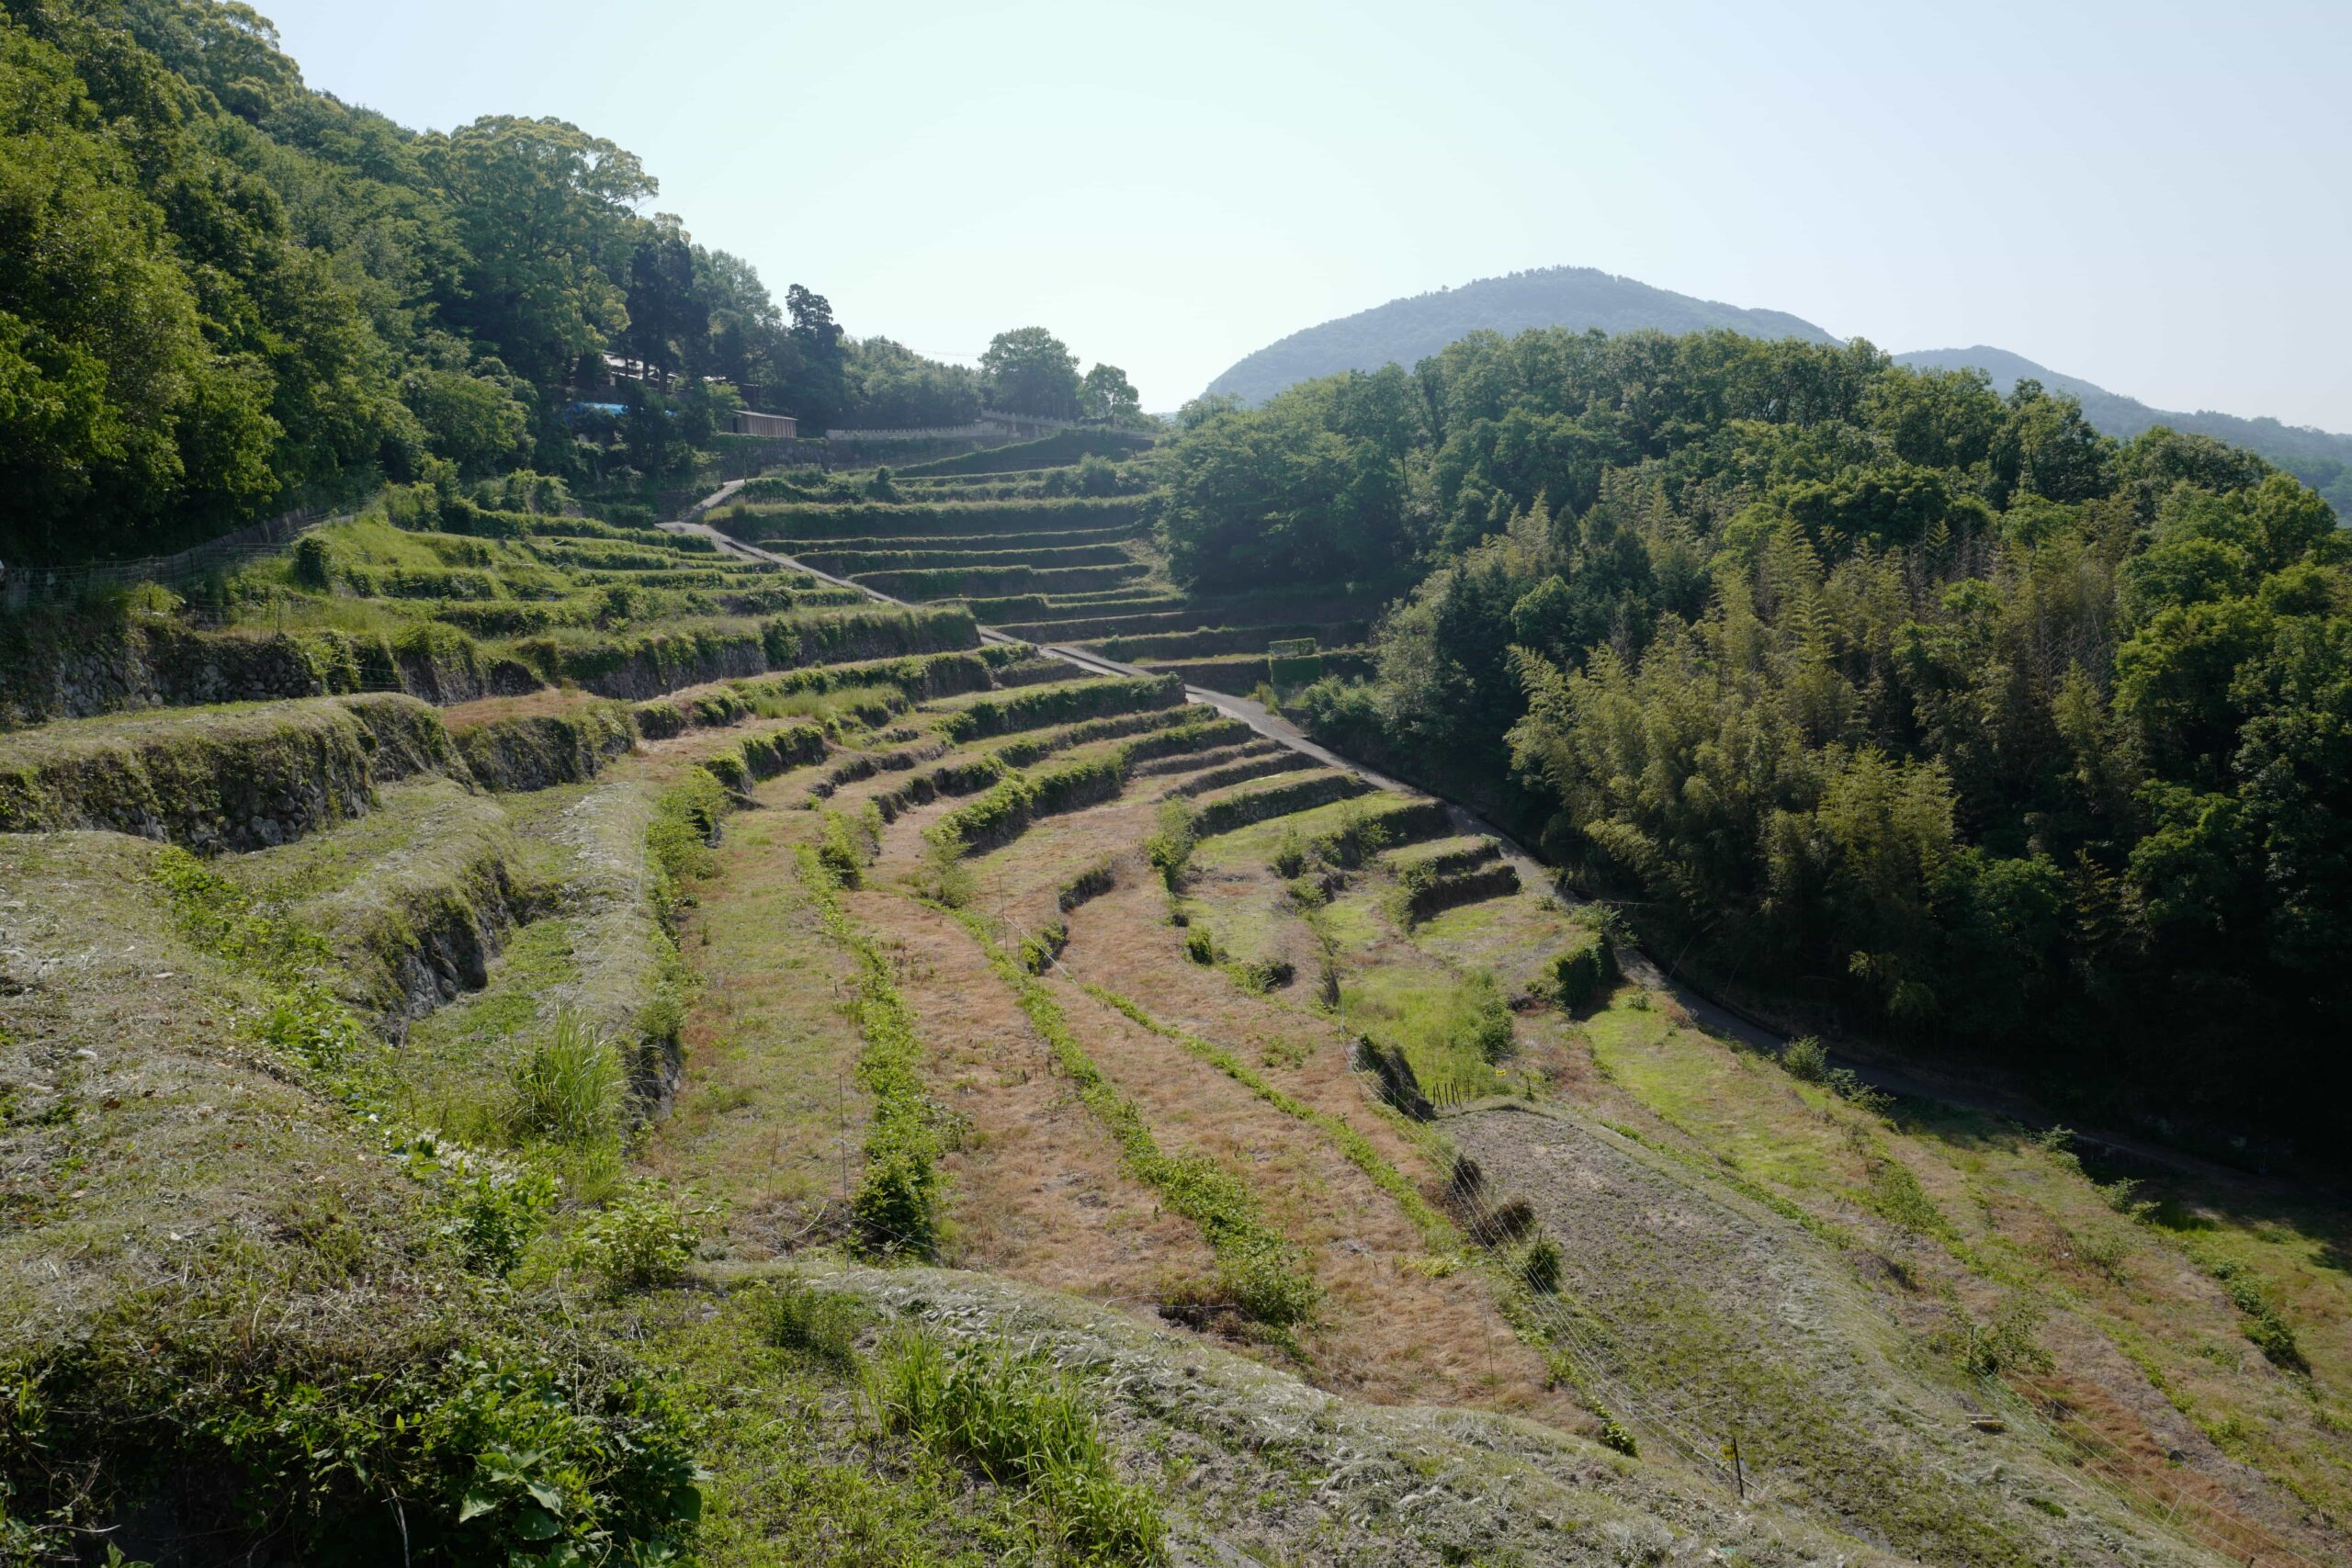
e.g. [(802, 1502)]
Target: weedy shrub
[(1020, 1423), (944, 876), (2268, 1332), (1290, 855), (568, 1091), (500, 1450), (1897, 1194), (490, 1215), (1200, 946), (1805, 1060), (644, 1238), (821, 1324), (1264, 975), (1539, 1265), (1038, 952), (1578, 976), (1169, 848), (2011, 1339), (842, 850)]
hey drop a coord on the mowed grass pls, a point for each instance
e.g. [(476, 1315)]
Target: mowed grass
[(2122, 1282), (769, 1116)]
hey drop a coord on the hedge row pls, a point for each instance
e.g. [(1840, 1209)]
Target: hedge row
[(1059, 450), (646, 664), (897, 1202), (1418, 870), (1280, 800), (967, 777), (544, 749), (666, 716), (1202, 732), (1223, 753), (1205, 642), (923, 676), (957, 583), (755, 524), (1049, 540), (836, 636), (1262, 1270), (1397, 821), (1031, 747), (1090, 883), (1282, 761), (1004, 812), (846, 563), (1035, 709)]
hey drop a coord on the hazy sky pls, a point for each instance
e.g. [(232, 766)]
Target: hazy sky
[(2154, 195)]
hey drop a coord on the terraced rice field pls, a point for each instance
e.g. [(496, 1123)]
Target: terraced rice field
[(1313, 1128), (1036, 560)]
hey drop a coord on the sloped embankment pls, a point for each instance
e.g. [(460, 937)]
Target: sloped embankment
[(238, 778)]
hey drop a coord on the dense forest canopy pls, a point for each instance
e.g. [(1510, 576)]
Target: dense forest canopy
[(1867, 683), (222, 292)]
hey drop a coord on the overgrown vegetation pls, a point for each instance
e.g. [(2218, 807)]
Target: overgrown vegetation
[(1850, 671)]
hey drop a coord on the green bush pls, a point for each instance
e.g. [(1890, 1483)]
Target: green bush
[(489, 1216), (802, 521), (1805, 1060), (1539, 1265), (1037, 708), (1169, 849), (644, 1238), (1579, 975), (1038, 952), (1005, 812)]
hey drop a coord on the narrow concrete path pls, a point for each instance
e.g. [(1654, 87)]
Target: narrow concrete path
[(1639, 967)]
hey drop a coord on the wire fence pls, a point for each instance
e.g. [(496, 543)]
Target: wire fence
[(24, 586)]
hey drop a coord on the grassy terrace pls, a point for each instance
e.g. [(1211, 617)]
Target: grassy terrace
[(990, 1113)]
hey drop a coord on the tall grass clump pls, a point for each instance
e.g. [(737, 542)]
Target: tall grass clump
[(821, 1324), (1021, 1423), (568, 1091)]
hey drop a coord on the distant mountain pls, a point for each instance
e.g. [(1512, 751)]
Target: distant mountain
[(2320, 459), (1406, 331)]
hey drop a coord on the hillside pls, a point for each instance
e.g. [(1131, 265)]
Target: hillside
[(1405, 331), (2320, 459), (699, 1063)]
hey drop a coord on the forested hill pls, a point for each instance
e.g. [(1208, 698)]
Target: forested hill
[(1941, 709), (1404, 331), (2320, 459), (223, 293)]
